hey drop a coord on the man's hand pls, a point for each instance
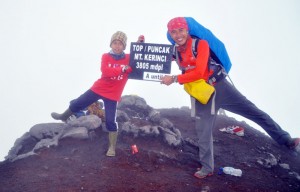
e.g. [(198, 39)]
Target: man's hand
[(167, 80)]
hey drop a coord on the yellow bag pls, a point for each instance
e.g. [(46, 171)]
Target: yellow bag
[(200, 90)]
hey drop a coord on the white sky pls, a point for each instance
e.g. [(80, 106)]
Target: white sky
[(50, 53)]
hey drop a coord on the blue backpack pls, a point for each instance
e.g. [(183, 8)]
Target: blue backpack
[(217, 49)]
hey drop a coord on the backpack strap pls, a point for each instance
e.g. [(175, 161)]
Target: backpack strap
[(178, 58), (195, 42), (211, 62)]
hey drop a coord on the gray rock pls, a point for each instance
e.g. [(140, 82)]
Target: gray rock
[(122, 116), (18, 145), (90, 122), (46, 143), (154, 116), (166, 123), (23, 156), (284, 166), (77, 133), (47, 130), (268, 161), (133, 101), (140, 131), (173, 138), (48, 135)]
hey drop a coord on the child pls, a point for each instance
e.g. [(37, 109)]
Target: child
[(115, 69)]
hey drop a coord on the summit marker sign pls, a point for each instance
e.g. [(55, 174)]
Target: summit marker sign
[(150, 61)]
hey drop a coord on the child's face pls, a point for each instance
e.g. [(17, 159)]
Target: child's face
[(117, 46)]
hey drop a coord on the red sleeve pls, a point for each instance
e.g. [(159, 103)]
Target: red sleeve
[(109, 68), (201, 68)]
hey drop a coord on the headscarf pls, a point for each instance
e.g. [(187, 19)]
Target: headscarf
[(177, 23)]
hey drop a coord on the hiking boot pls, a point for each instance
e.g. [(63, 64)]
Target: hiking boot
[(294, 144), (112, 138), (64, 116), (202, 174)]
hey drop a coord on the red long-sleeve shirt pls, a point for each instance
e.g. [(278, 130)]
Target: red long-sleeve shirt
[(113, 80), (200, 70)]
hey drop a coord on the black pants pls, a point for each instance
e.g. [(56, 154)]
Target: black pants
[(230, 99), (110, 107)]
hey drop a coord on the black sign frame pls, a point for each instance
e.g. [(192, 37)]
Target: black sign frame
[(150, 61)]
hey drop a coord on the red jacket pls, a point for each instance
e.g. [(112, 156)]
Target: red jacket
[(200, 70), (113, 80)]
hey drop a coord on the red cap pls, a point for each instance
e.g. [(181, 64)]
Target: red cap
[(177, 23)]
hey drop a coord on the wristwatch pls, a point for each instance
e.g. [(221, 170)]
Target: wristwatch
[(174, 77)]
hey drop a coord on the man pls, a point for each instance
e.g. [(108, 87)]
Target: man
[(226, 96)]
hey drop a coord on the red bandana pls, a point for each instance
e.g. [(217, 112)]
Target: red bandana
[(177, 23)]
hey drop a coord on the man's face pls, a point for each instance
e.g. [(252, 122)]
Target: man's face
[(179, 36)]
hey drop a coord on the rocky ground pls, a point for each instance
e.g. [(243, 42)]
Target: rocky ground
[(81, 165)]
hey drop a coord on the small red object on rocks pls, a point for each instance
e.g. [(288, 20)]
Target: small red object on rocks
[(134, 149)]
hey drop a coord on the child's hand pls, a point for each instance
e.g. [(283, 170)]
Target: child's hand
[(128, 70), (141, 39)]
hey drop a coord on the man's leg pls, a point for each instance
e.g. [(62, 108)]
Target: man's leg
[(204, 127), (204, 124), (232, 100)]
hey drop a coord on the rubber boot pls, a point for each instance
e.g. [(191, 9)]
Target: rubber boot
[(64, 116), (112, 137)]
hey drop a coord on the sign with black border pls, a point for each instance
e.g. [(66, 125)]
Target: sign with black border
[(150, 61)]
